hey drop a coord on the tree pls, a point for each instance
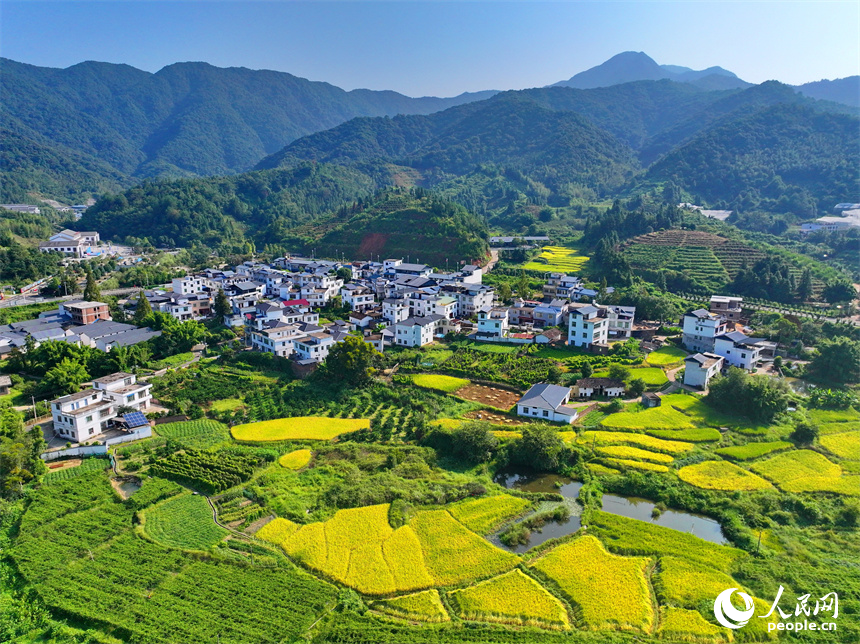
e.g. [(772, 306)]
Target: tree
[(91, 290), (601, 292), (587, 370), (636, 387), (554, 373), (505, 292), (619, 372), (804, 288), (143, 310), (351, 361), (805, 432), (523, 289), (474, 442), (837, 361), (540, 448), (760, 398), (222, 305), (65, 378), (344, 273), (840, 291)]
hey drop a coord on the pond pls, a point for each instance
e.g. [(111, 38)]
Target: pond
[(632, 507)]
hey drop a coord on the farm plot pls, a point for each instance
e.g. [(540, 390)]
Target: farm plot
[(752, 450), (358, 548), (633, 453), (424, 606), (196, 434), (557, 258), (721, 475), (807, 471), (295, 460), (446, 384), (696, 435), (209, 472), (834, 415), (686, 584), (73, 468), (632, 537), (483, 514), (639, 440), (663, 417), (621, 463), (492, 417), (653, 377), (491, 396), (298, 428), (183, 522), (581, 570), (665, 356), (512, 598), (688, 625), (520, 371), (845, 445)]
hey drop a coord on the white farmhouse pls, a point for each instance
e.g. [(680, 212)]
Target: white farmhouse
[(416, 332), (700, 368), (587, 326), (547, 402), (738, 349), (701, 327)]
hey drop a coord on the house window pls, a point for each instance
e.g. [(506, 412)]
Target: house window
[(545, 413), (525, 410), (91, 431), (743, 355), (584, 334), (89, 419)]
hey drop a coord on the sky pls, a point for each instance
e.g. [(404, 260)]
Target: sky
[(440, 48)]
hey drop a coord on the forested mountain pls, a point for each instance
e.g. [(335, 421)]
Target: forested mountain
[(631, 66), (841, 90), (784, 158), (186, 119)]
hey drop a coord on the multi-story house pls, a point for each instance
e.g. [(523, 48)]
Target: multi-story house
[(395, 309), (275, 337), (559, 285), (550, 314), (700, 368), (493, 323), (416, 332), (357, 296), (738, 349), (587, 326), (124, 390), (191, 284), (471, 298), (85, 312), (701, 327), (727, 306), (313, 347), (620, 320)]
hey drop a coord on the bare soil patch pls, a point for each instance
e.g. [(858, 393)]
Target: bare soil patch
[(64, 465), (492, 417), (491, 396)]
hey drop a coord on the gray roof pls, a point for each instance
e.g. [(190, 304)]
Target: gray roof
[(584, 310), (419, 321), (700, 313), (5, 381), (136, 336), (545, 396)]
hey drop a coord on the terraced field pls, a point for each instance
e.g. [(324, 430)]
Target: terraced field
[(319, 428), (721, 475), (807, 471), (424, 606), (183, 522), (560, 259)]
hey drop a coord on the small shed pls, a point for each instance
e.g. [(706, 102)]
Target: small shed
[(5, 385), (650, 399)]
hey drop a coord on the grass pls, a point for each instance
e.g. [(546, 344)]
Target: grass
[(721, 475), (195, 434), (298, 428), (582, 570), (557, 258), (512, 598), (653, 376), (752, 450), (295, 460), (424, 606), (228, 404), (807, 471), (632, 537), (845, 445), (446, 384), (173, 361), (695, 435), (484, 514), (680, 624), (666, 356), (639, 440), (358, 548), (183, 522)]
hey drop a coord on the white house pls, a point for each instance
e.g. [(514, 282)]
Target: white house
[(191, 284), (358, 297), (588, 387), (701, 327), (314, 347), (547, 402), (700, 368), (620, 320), (727, 306), (275, 337), (125, 390), (416, 332), (738, 350), (493, 323), (395, 309), (587, 326)]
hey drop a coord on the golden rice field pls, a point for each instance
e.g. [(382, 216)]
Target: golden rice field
[(597, 468), (295, 460), (807, 471), (319, 428), (453, 554), (434, 550), (447, 384), (608, 591), (425, 606), (639, 440), (845, 445), (638, 465), (721, 475), (506, 435), (627, 452), (680, 624), (665, 356), (679, 582), (483, 514), (512, 598), (557, 258)]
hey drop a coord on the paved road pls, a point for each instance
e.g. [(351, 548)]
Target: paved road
[(24, 300)]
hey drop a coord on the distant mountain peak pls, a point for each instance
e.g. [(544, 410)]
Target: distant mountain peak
[(632, 66)]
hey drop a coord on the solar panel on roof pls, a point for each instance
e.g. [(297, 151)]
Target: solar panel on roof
[(135, 419)]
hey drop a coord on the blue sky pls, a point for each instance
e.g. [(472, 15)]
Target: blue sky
[(440, 48)]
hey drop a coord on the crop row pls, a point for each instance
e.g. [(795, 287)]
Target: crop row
[(210, 472)]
